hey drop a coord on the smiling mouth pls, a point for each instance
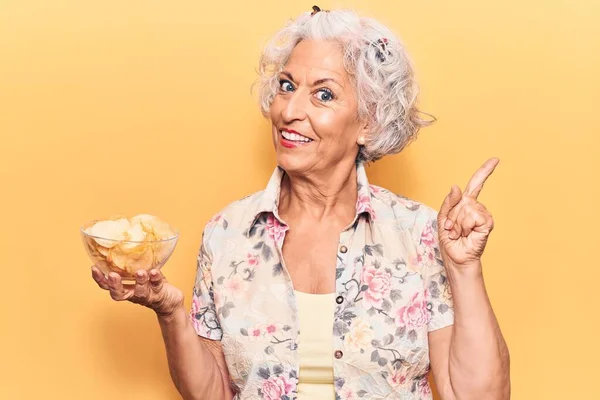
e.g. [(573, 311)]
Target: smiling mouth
[(294, 137)]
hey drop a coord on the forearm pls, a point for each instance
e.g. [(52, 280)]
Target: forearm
[(479, 359), (193, 367)]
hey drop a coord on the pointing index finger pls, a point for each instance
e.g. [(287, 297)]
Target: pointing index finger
[(476, 182)]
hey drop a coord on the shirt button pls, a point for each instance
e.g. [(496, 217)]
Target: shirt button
[(338, 354), (343, 249), (339, 299)]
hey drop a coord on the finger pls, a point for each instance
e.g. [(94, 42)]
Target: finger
[(464, 211), (141, 284), (486, 223), (473, 217), (471, 222), (465, 220), (156, 279), (450, 223), (451, 200), (476, 182), (456, 229), (115, 285), (99, 277)]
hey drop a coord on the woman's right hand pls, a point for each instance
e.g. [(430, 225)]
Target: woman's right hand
[(151, 290)]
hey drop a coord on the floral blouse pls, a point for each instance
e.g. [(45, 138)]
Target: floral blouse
[(391, 290)]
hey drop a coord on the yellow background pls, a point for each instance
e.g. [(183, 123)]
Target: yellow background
[(136, 106)]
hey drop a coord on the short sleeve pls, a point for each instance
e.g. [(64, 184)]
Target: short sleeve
[(203, 314), (438, 296)]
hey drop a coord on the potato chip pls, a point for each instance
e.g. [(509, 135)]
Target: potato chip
[(135, 236), (146, 220), (108, 233), (130, 262), (155, 225), (103, 250)]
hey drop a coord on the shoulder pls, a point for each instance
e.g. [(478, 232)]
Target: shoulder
[(392, 208), (233, 219)]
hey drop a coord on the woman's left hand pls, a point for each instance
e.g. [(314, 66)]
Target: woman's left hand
[(464, 224)]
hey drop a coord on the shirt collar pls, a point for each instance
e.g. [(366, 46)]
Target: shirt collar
[(269, 201)]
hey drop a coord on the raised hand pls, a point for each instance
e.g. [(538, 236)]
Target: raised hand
[(151, 290), (464, 224)]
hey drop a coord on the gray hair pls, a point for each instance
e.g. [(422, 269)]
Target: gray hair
[(377, 63)]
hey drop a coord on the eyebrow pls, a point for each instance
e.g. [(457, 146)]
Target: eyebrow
[(317, 82)]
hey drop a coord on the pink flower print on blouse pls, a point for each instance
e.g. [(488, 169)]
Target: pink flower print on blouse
[(378, 282), (375, 189), (413, 315), (277, 386), (275, 230), (255, 332), (197, 306), (272, 328), (425, 255), (427, 237), (346, 393), (363, 203), (423, 387), (235, 285), (426, 247), (397, 378), (253, 260)]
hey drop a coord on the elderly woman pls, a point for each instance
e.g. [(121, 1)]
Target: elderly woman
[(323, 286)]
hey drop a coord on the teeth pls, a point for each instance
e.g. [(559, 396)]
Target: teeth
[(294, 137)]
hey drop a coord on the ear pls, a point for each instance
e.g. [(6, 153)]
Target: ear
[(363, 133)]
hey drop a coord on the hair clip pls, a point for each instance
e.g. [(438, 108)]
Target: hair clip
[(316, 9), (382, 51)]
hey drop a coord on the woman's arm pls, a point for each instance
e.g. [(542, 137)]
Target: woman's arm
[(470, 360), (197, 365)]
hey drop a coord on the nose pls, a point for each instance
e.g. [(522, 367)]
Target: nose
[(295, 107)]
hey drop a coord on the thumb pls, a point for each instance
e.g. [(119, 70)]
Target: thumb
[(450, 202)]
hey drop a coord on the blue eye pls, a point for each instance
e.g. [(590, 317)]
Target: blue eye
[(325, 95), (286, 86)]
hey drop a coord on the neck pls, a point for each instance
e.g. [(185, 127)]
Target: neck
[(319, 196)]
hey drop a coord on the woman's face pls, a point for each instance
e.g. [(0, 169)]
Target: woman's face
[(314, 113)]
